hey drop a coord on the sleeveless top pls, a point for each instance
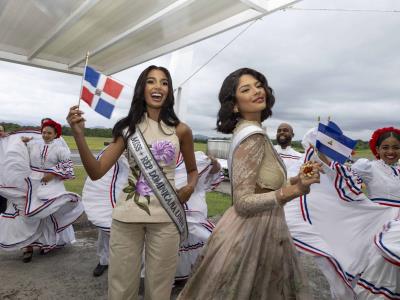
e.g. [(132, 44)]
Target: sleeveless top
[(137, 203)]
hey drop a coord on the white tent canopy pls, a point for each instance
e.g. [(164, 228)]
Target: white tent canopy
[(56, 34)]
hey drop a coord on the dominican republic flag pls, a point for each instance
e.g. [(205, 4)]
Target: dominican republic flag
[(100, 91), (333, 143)]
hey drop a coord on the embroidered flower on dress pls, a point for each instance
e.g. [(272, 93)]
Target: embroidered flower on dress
[(138, 187), (163, 151), (142, 187)]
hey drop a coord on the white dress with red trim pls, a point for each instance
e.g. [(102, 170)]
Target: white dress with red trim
[(37, 214), (343, 228), (382, 181), (382, 276), (357, 237), (356, 229), (200, 227), (99, 197)]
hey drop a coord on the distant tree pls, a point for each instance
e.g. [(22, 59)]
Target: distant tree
[(66, 130), (362, 145), (9, 127)]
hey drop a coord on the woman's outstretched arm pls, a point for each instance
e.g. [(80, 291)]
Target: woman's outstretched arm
[(94, 168)]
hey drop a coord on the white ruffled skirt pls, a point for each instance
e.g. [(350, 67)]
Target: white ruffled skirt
[(37, 214)]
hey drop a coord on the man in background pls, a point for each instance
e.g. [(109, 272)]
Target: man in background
[(284, 136)]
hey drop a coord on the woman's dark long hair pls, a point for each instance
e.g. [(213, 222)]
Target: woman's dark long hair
[(139, 108), (386, 135), (227, 118)]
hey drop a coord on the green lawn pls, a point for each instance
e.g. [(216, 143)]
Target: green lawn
[(366, 153), (217, 202), (200, 147), (76, 185), (97, 143)]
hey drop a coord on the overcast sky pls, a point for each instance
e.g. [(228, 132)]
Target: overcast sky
[(344, 65)]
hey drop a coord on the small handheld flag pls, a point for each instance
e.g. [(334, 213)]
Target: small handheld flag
[(333, 143), (100, 91)]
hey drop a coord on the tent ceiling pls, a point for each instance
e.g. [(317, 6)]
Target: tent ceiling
[(56, 34)]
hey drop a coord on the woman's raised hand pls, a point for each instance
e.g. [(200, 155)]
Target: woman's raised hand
[(76, 120), (309, 174)]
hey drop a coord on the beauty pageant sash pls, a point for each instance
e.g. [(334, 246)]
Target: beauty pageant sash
[(156, 179)]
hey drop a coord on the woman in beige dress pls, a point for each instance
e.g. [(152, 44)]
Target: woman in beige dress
[(250, 254)]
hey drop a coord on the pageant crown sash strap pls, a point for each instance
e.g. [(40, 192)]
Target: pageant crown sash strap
[(237, 138), (161, 187)]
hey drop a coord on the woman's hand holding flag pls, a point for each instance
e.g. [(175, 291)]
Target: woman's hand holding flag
[(76, 120)]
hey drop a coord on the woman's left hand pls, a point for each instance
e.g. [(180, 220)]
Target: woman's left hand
[(308, 175), (184, 193), (215, 165)]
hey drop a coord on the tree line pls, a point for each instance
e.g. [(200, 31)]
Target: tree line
[(66, 130)]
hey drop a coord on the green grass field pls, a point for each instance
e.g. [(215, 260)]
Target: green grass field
[(76, 185), (217, 202), (97, 143), (366, 153)]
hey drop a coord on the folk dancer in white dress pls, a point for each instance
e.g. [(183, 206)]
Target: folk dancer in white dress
[(60, 140), (356, 237), (293, 160), (200, 227), (39, 210), (381, 278), (99, 197)]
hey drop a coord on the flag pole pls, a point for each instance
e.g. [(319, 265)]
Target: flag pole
[(83, 76), (315, 148)]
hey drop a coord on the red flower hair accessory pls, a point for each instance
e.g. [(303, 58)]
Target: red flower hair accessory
[(375, 136), (55, 125)]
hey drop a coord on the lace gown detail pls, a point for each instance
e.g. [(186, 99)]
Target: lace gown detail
[(246, 168), (250, 254)]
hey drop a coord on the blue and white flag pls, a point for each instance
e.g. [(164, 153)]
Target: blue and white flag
[(333, 143)]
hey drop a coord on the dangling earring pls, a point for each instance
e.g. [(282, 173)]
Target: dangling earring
[(236, 113)]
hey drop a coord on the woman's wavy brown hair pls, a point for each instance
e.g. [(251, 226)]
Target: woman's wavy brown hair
[(227, 118)]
